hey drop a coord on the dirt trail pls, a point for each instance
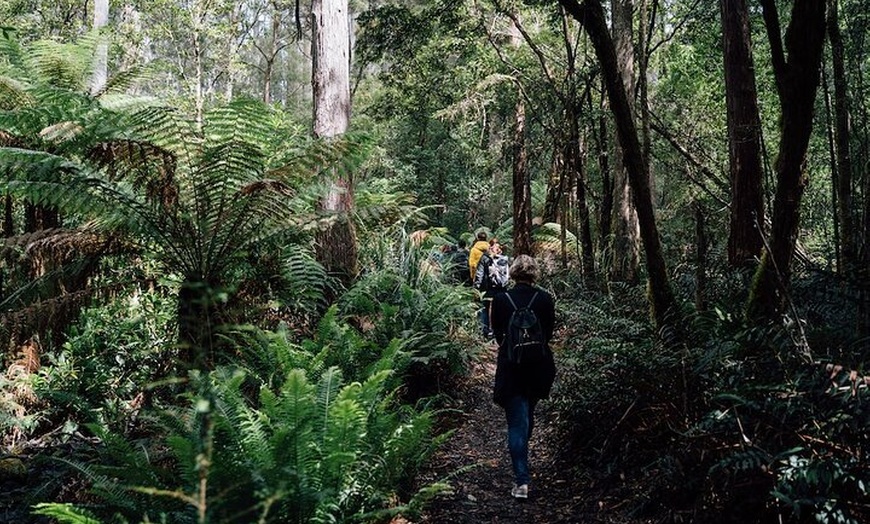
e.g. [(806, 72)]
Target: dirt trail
[(477, 456)]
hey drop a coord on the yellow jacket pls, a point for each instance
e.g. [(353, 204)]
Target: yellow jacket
[(477, 250)]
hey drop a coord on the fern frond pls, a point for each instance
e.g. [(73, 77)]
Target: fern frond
[(327, 389), (65, 513)]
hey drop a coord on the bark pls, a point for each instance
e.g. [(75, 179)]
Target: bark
[(745, 240), (664, 307), (522, 194), (587, 255), (330, 51), (797, 81), (701, 258), (842, 138), (605, 215), (832, 159), (555, 185), (101, 54), (626, 248), (196, 315), (271, 55)]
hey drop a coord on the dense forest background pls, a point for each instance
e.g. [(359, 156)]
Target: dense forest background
[(224, 293)]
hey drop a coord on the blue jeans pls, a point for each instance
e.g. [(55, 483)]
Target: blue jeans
[(483, 317), (520, 413)]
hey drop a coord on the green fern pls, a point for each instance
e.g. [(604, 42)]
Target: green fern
[(66, 513)]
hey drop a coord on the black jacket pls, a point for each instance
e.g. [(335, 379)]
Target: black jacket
[(532, 381)]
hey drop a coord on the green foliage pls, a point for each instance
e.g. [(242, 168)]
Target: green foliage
[(208, 200), (324, 451), (65, 514), (110, 354)]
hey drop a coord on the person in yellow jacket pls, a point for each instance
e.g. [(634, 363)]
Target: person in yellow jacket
[(477, 250)]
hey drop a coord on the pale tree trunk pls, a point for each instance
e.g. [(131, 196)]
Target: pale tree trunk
[(591, 16), (198, 16), (626, 248), (229, 88), (330, 52), (745, 239), (271, 55), (797, 81), (101, 53), (842, 137)]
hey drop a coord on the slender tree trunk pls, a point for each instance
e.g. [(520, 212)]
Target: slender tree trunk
[(832, 159), (745, 240), (664, 306), (522, 201), (797, 80), (701, 258), (196, 39), (842, 138), (337, 247), (101, 53), (587, 254), (626, 248), (605, 214), (555, 184), (272, 55), (643, 88)]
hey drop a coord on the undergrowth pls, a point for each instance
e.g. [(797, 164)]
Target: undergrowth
[(745, 423)]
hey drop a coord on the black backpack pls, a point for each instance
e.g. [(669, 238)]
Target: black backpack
[(524, 340)]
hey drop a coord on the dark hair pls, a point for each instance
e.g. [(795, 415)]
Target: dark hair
[(462, 243), (481, 235)]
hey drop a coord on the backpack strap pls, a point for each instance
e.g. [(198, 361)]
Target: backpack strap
[(514, 304), (533, 299), (508, 295)]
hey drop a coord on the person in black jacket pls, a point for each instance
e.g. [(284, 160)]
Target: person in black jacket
[(519, 387)]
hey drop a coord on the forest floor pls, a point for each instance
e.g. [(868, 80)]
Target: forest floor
[(476, 463)]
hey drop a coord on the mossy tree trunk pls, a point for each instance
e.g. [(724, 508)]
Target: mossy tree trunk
[(797, 81)]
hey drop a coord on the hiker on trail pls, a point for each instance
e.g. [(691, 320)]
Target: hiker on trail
[(522, 320), (460, 272), (491, 278), (477, 250)]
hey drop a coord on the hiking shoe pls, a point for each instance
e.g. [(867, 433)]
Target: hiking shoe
[(520, 492)]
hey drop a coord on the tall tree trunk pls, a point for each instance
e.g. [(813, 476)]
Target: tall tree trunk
[(271, 55), (522, 201), (745, 240), (101, 54), (797, 80), (842, 138), (555, 184), (643, 87), (605, 215), (198, 19), (626, 248), (587, 255), (330, 51), (832, 159), (590, 14), (700, 258)]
